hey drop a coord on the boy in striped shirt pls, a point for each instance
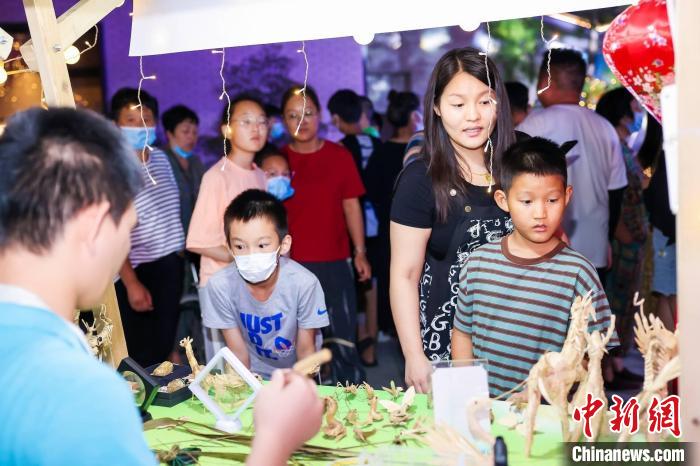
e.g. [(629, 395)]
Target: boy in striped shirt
[(516, 294)]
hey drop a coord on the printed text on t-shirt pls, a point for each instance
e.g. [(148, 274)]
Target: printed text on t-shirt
[(257, 326)]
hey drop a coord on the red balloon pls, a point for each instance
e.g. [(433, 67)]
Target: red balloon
[(639, 50)]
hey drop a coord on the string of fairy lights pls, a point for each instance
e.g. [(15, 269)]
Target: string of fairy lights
[(71, 55), (146, 146), (224, 94), (492, 102), (302, 91), (548, 44)]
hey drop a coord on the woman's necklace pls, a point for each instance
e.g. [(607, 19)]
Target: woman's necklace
[(487, 176)]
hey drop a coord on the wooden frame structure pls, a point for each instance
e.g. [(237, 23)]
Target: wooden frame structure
[(51, 35)]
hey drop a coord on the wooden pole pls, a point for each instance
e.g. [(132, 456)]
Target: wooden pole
[(119, 350), (51, 63), (688, 218)]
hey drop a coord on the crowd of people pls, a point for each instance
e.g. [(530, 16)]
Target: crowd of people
[(466, 231), (332, 199)]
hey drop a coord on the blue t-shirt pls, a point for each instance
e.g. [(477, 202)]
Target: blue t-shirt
[(58, 404)]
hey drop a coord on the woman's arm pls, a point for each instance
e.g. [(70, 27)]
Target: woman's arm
[(219, 253), (356, 228), (206, 232), (408, 247)]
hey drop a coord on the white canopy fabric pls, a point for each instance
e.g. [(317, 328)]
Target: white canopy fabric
[(168, 26)]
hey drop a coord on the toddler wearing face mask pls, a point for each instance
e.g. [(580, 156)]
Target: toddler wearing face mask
[(268, 307), (277, 173)]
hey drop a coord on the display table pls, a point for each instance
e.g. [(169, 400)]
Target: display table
[(546, 448)]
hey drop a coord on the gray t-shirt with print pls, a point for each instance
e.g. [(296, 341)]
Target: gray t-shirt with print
[(269, 328)]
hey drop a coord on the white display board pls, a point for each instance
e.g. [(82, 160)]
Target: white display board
[(669, 113), (168, 26), (453, 385)]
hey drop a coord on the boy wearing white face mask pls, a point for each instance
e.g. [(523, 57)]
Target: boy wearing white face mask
[(268, 307)]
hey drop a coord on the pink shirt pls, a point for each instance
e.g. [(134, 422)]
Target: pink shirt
[(219, 187)]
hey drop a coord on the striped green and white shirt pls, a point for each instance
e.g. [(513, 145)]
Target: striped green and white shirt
[(516, 309)]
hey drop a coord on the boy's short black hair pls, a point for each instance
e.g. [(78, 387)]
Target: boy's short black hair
[(128, 97), (568, 68), (346, 104), (254, 203), (53, 163), (536, 156), (518, 95), (176, 115)]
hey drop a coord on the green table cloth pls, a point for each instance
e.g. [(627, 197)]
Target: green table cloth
[(546, 448)]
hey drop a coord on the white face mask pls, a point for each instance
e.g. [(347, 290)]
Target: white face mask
[(256, 268)]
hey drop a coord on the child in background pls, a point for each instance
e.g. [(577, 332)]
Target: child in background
[(277, 173), (244, 129), (515, 295), (151, 278), (268, 306)]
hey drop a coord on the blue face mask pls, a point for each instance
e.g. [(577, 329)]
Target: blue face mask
[(277, 130), (182, 152), (636, 125), (280, 187), (137, 136), (372, 131)]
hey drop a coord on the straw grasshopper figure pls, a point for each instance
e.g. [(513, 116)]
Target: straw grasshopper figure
[(555, 373), (100, 342), (593, 383), (333, 428)]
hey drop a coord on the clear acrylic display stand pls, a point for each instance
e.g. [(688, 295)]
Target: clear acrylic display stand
[(453, 384), (230, 423)]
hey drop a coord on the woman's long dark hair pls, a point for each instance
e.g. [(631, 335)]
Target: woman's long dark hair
[(443, 167), (650, 151)]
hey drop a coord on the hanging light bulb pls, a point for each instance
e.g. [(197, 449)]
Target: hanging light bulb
[(3, 73), (470, 25), (72, 55), (364, 38)]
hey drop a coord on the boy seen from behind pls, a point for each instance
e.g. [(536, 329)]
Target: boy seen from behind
[(268, 306), (516, 294)]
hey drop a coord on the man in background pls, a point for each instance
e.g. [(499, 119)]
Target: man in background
[(519, 98), (596, 167)]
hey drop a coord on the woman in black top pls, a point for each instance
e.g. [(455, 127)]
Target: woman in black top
[(383, 167), (443, 207), (663, 222)]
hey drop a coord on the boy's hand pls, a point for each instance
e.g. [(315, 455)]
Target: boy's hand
[(418, 373), (287, 413), (139, 297), (364, 270)]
